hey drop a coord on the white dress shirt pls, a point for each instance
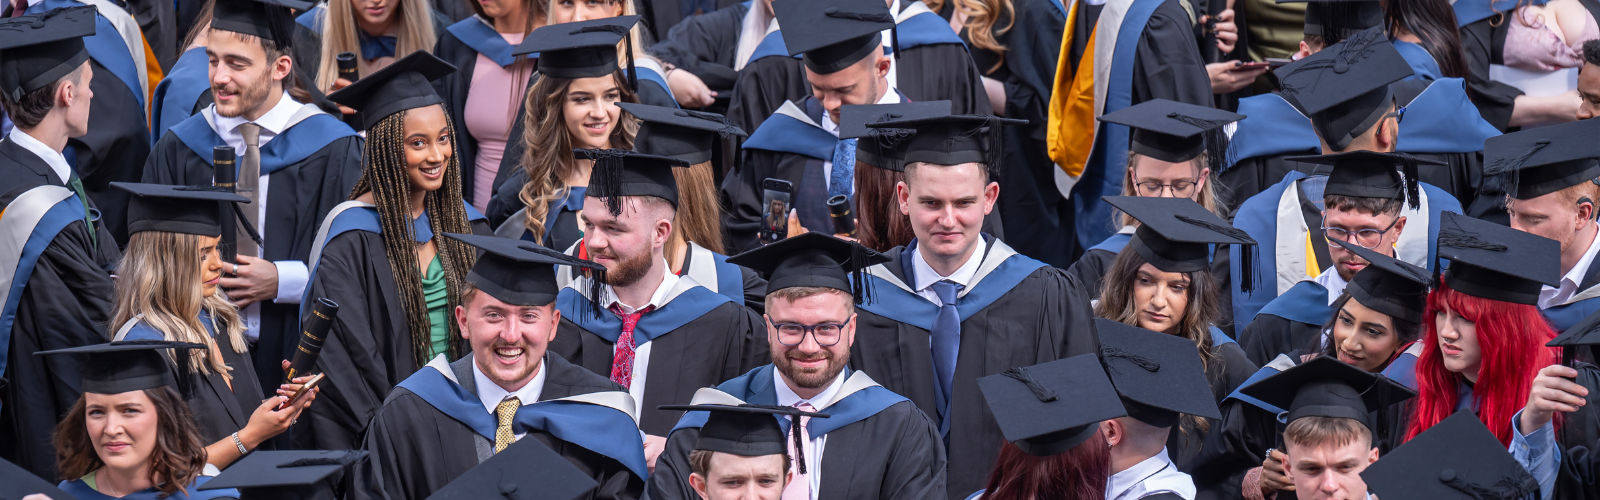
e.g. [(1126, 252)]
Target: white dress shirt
[(51, 157), (1331, 280), (1154, 475), (890, 96), (924, 275), (641, 353), (1551, 296), (787, 397), (292, 274), (491, 394)]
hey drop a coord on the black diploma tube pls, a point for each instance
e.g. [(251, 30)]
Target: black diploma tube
[(347, 66), (313, 332), (226, 175), (844, 222)]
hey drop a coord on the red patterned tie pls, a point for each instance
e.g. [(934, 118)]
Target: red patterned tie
[(622, 358)]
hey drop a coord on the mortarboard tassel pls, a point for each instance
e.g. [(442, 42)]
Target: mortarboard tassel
[(1503, 173), (1021, 374), (727, 127), (347, 458), (606, 174), (1216, 141), (238, 211), (1149, 365), (858, 279), (1408, 169), (799, 454), (1507, 488), (627, 39), (1247, 275)]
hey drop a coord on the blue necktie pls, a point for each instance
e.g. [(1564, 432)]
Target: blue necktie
[(842, 179), (946, 344)]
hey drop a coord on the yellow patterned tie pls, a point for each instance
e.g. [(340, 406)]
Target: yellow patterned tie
[(504, 413)]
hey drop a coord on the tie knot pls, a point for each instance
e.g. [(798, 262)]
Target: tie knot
[(251, 133), (946, 290), (508, 405), (805, 407)]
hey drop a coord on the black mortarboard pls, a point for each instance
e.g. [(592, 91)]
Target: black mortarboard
[(1173, 131), (177, 209), (884, 148), (266, 19), (1175, 233), (1586, 332), (1157, 375), (300, 475), (126, 366), (1327, 387), (1389, 285), (526, 469), (1335, 20), (406, 84), (1496, 262), (952, 139), (1534, 163), (812, 259), (584, 49), (748, 430), (517, 272), (832, 34), (1370, 174), (1049, 408), (16, 483), (1457, 458), (619, 172), (1345, 87), (688, 135), (37, 50)]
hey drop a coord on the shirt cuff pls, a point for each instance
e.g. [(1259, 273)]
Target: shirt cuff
[(1536, 452), (292, 279)]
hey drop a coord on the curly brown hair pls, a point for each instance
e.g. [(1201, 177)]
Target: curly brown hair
[(176, 461), (549, 161)]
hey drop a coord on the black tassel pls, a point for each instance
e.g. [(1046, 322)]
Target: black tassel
[(728, 128), (833, 12), (858, 279), (1408, 168), (1216, 141), (633, 75), (1247, 269), (1044, 394), (597, 279), (1353, 50), (1148, 364), (606, 174), (347, 458), (799, 452), (1503, 174)]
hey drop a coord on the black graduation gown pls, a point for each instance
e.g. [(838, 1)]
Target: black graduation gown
[(453, 88), (1482, 42), (117, 144), (368, 350), (505, 213), (763, 86), (219, 410), (707, 46), (65, 303), (299, 196), (1270, 335), (1027, 313), (699, 338), (1228, 370), (416, 449)]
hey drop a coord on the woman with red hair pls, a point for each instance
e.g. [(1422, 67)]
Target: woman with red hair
[(1057, 408)]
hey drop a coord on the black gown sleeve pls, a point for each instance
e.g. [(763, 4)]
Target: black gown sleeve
[(1090, 269), (943, 72), (1268, 336), (507, 199), (706, 46), (670, 480), (360, 357), (741, 194), (1236, 444), (414, 450), (1167, 64), (1482, 42), (1073, 315), (762, 87), (918, 469)]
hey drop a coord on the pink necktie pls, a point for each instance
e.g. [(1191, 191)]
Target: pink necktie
[(19, 7), (800, 487), (622, 357)]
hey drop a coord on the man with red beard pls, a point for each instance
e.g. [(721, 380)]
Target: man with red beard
[(295, 163), (658, 334), (876, 444)]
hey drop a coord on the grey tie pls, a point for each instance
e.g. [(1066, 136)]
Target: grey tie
[(249, 181)]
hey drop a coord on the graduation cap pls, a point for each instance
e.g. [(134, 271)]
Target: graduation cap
[(404, 85), (688, 135), (518, 272), (833, 34), (37, 50), (952, 139), (1535, 163), (1327, 387), (749, 430), (16, 483), (1344, 89), (526, 469), (1157, 375), (619, 172), (813, 260), (1496, 262), (265, 19), (1049, 408), (1370, 174), (1585, 333), (302, 474), (1389, 285), (1175, 132), (1174, 233), (884, 148), (1335, 20), (584, 49), (126, 366), (1458, 458), (177, 209)]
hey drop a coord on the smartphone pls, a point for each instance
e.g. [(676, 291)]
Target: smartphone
[(1251, 65), (1277, 62), (776, 197), (304, 392)]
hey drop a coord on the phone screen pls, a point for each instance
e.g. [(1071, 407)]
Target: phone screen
[(775, 215)]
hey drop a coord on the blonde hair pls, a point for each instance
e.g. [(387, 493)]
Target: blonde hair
[(549, 161), (1208, 197), (158, 281), (699, 216), (339, 35), (983, 16)]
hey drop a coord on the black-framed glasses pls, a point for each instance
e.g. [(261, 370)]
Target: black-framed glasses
[(1367, 238), (1182, 188), (826, 334)]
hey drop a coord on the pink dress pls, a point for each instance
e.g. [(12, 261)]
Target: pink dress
[(492, 104), (1533, 45)]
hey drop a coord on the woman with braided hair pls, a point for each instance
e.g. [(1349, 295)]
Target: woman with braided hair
[(378, 256)]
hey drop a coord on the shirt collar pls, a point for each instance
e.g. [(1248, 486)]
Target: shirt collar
[(787, 397), (491, 394), (925, 276), (658, 299), (1136, 475), (1575, 275), (1331, 280), (53, 158), (276, 120)]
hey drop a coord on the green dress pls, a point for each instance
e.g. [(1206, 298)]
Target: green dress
[(437, 295)]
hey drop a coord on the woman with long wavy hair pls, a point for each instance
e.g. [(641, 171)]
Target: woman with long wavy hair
[(652, 87), (130, 435), (167, 290), (1069, 456), (1431, 26), (379, 31), (1164, 284), (382, 256)]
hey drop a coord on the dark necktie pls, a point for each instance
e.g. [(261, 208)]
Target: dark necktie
[(77, 187), (249, 182), (946, 344), (842, 179)]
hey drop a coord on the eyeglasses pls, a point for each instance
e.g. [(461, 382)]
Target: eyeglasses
[(1180, 188), (826, 334), (1399, 114), (1367, 238)]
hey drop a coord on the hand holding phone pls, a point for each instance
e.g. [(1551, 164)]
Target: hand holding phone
[(304, 392), (776, 200)]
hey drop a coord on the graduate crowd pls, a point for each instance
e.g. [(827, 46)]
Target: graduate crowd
[(800, 249)]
